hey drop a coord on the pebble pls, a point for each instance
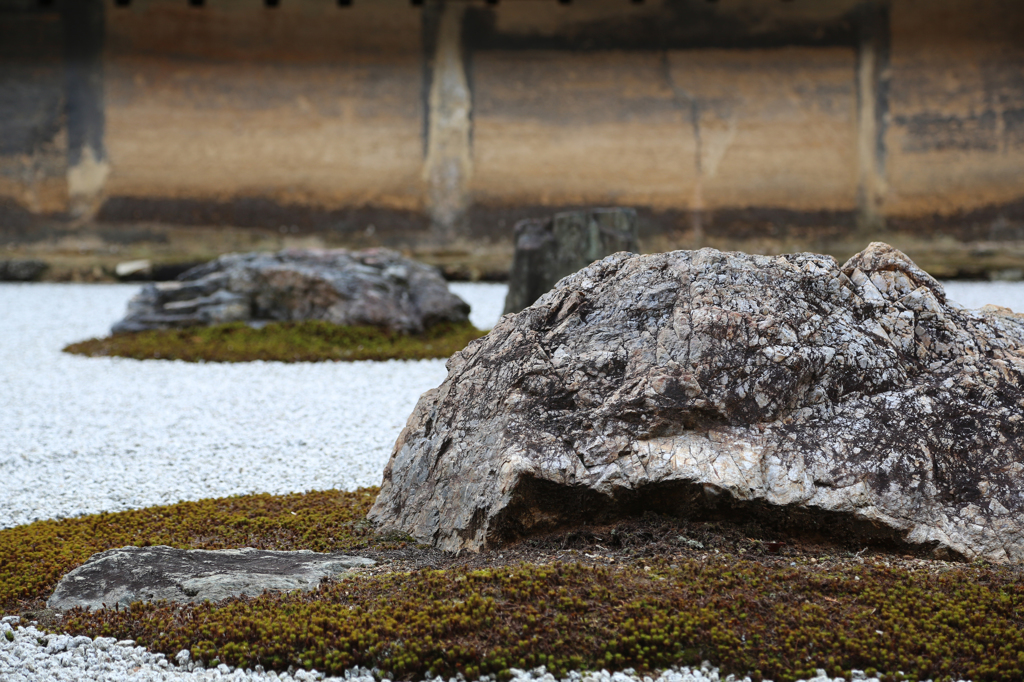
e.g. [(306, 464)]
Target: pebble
[(109, 434)]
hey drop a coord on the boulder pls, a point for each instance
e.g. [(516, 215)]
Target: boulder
[(22, 270), (850, 400), (376, 287), (552, 248), (129, 574)]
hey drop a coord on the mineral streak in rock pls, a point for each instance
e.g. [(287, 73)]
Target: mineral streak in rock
[(376, 287), (129, 574), (853, 397)]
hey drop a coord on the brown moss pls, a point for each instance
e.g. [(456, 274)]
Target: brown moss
[(782, 623), (34, 557), (308, 341), (649, 602)]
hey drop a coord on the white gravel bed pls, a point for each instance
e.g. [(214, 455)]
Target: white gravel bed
[(82, 435), (486, 301), (30, 655), (976, 294)]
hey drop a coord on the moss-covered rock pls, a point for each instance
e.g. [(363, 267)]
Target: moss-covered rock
[(34, 557)]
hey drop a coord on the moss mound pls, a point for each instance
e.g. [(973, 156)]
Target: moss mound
[(308, 341), (34, 557), (781, 617), (781, 623)]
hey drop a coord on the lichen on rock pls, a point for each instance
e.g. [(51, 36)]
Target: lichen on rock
[(856, 397), (120, 577)]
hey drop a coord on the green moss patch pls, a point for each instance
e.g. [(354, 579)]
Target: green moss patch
[(780, 623), (308, 341), (34, 557), (638, 595)]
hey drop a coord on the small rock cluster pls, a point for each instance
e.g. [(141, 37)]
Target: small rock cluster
[(851, 400), (28, 654), (375, 287)]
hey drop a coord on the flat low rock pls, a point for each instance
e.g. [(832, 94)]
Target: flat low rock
[(851, 399), (375, 287), (129, 574)]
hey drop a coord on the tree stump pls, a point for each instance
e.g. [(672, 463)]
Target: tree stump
[(549, 249)]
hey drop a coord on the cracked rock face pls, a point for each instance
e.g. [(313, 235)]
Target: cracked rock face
[(129, 574), (375, 287), (852, 399)]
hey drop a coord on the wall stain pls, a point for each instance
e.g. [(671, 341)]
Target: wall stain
[(682, 25), (932, 132), (260, 212), (83, 68)]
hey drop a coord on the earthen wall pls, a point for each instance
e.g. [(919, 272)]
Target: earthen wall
[(739, 117)]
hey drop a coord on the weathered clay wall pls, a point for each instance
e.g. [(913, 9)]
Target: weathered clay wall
[(33, 135), (682, 129), (302, 104), (649, 106), (955, 140), (771, 124)]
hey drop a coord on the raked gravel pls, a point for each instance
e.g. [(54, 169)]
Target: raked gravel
[(976, 294), (83, 435)]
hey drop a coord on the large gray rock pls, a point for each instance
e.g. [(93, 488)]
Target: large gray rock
[(376, 287), (853, 398), (552, 248), (129, 574)]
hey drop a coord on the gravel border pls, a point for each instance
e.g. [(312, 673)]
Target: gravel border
[(31, 655)]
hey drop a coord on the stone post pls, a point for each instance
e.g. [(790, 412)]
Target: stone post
[(551, 248)]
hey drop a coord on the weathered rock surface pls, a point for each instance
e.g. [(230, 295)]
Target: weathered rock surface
[(128, 574), (856, 398), (375, 287), (552, 248)]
